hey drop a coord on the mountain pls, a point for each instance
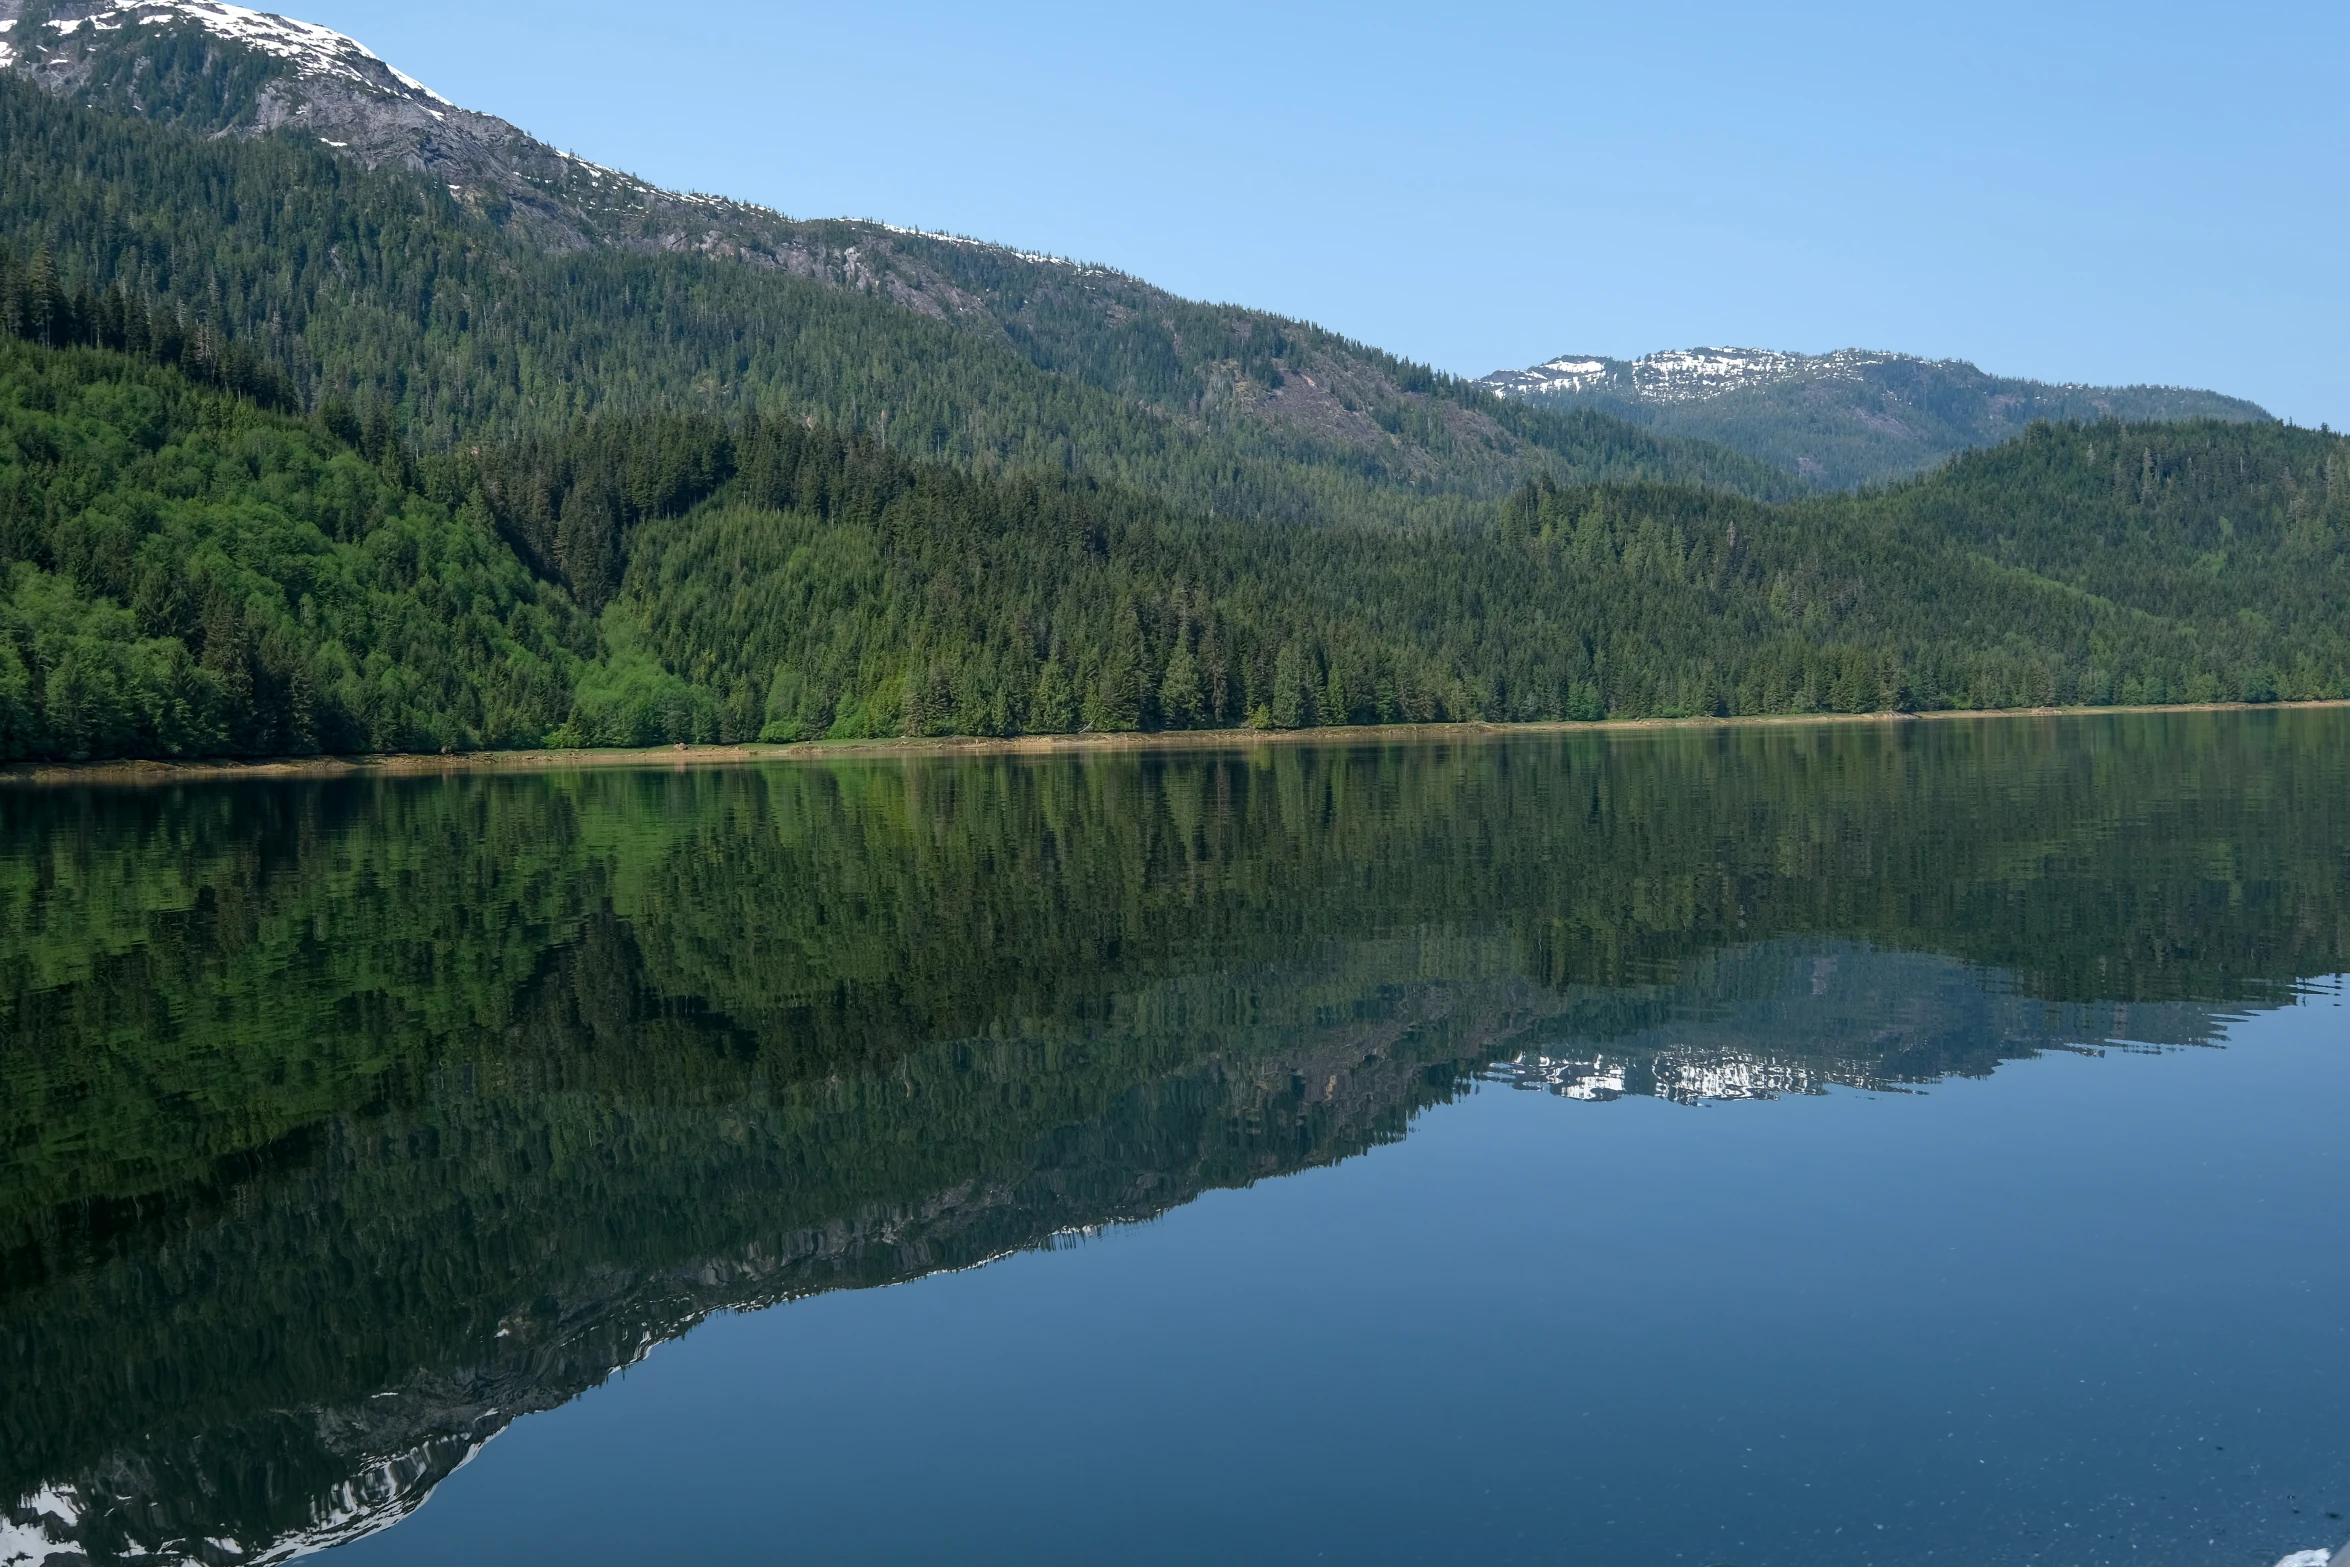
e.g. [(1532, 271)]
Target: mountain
[(484, 284), (1838, 420), (334, 418)]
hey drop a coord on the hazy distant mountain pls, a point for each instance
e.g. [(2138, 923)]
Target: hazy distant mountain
[(1841, 419)]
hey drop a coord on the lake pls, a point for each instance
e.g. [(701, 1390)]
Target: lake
[(1874, 1144)]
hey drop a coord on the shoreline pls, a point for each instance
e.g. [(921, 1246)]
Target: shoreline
[(539, 759)]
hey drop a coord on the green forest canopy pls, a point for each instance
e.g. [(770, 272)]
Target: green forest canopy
[(188, 573)]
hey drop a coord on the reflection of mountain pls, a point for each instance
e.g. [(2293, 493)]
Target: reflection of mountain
[(345, 1124), (351, 1327), (1800, 1018)]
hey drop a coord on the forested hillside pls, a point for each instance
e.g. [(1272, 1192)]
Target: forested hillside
[(858, 594), (188, 573), (306, 447), (383, 285)]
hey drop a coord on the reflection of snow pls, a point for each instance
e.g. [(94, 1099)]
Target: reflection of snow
[(1787, 1018), (50, 1515), (1593, 1077), (1685, 1076), (1693, 1079), (371, 1501)]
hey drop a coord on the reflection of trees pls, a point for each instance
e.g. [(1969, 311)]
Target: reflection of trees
[(502, 1243), (463, 1091)]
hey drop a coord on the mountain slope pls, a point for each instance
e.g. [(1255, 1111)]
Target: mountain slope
[(488, 283), (184, 574), (1843, 419)]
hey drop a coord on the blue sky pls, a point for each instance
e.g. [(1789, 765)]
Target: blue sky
[(2073, 192)]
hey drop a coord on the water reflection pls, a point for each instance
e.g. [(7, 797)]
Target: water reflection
[(1801, 1017), (346, 1124)]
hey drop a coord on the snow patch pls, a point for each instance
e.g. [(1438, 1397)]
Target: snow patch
[(56, 1511), (385, 1491), (1570, 1077), (311, 49), (1682, 1076), (1037, 256)]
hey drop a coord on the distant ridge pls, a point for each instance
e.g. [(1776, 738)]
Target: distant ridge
[(1840, 419)]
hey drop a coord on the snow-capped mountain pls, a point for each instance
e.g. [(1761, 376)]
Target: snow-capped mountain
[(274, 73), (225, 72), (1839, 419), (1684, 375), (285, 74), (1834, 420), (313, 51)]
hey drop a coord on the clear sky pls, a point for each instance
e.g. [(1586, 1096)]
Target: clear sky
[(2106, 193)]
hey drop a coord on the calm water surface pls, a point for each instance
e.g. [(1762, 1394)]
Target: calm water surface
[(1906, 1144)]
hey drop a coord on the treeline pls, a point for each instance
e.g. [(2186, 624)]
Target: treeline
[(1193, 359), (184, 574), (36, 305), (2237, 527), (814, 584)]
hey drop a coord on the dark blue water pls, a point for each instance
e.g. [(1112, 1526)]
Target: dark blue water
[(1878, 1145), (2088, 1311)]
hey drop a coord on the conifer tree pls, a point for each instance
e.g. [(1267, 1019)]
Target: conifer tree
[(1121, 683), (1335, 706), (1181, 704), (1292, 696), (1053, 710)]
